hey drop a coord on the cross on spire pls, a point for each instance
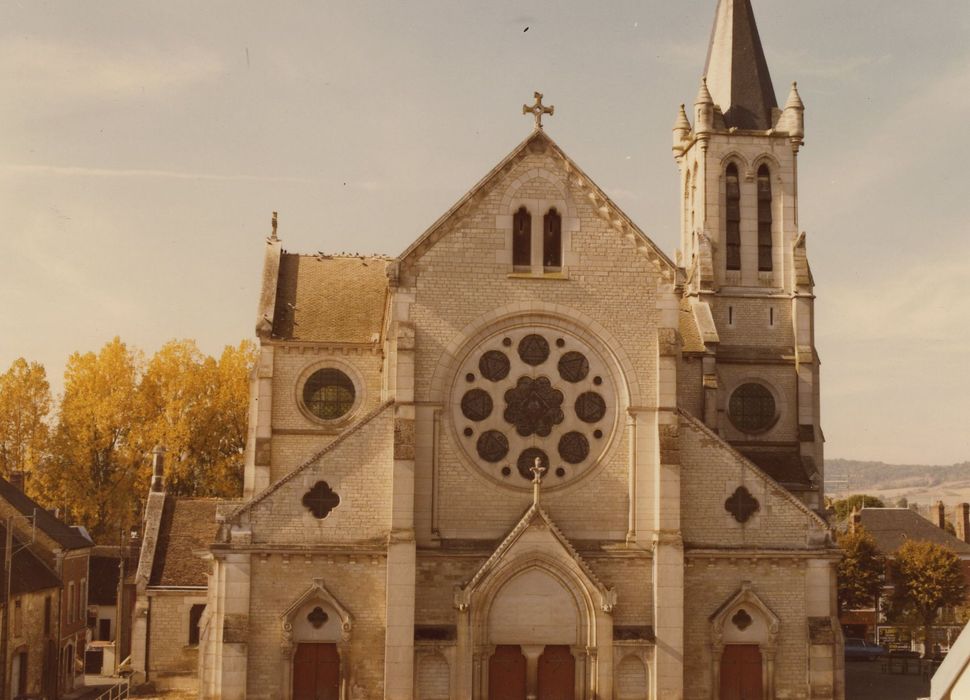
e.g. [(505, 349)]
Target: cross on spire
[(538, 109)]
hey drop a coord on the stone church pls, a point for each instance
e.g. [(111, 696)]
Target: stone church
[(533, 456)]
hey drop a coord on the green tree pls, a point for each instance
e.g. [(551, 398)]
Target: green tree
[(861, 571), (926, 577), (845, 506), (25, 402)]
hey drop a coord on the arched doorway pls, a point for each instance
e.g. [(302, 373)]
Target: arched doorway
[(741, 673), (745, 636)]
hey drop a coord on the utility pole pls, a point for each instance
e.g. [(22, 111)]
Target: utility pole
[(5, 631)]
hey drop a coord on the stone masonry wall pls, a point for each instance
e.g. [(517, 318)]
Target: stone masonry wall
[(358, 471), (467, 274), (172, 659)]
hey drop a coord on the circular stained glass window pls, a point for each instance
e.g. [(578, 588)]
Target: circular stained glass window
[(573, 367), (476, 405), (590, 407), (752, 408), (534, 350), (494, 365), (492, 446), (573, 447), (329, 394)]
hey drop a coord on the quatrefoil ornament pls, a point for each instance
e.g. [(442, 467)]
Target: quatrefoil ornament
[(742, 505)]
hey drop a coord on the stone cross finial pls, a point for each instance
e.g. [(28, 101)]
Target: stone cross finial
[(537, 471), (538, 109)]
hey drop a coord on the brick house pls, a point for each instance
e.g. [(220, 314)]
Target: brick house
[(65, 550)]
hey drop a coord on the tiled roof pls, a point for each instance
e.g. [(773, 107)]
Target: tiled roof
[(330, 299), (188, 525), (29, 573), (62, 533), (891, 527), (689, 333)]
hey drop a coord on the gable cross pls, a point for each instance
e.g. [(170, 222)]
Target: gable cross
[(538, 109)]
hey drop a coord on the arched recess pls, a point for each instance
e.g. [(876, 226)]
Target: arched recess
[(632, 681), (745, 619), (316, 616), (555, 606), (432, 677)]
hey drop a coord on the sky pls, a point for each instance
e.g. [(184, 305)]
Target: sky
[(143, 147)]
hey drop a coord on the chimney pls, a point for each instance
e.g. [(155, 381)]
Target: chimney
[(963, 521), (158, 469), (17, 479), (940, 515)]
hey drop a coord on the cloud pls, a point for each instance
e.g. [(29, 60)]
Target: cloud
[(62, 72)]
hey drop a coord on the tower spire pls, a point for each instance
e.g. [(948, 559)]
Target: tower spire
[(736, 70)]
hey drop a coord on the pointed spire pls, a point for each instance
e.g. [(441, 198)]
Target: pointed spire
[(794, 99), (681, 130), (704, 95), (794, 115), (703, 110), (736, 70)]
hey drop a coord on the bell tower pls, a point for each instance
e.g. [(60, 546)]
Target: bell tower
[(749, 289)]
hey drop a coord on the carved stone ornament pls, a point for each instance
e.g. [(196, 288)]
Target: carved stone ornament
[(317, 617), (742, 505), (321, 500)]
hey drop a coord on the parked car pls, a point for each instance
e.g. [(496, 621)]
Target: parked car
[(860, 650)]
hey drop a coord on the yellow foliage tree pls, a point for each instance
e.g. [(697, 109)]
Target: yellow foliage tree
[(25, 402), (93, 469)]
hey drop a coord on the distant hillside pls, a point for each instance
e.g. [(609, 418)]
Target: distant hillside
[(919, 483)]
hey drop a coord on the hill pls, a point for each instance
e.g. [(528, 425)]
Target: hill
[(919, 483)]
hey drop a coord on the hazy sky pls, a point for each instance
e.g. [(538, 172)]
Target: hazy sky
[(144, 145)]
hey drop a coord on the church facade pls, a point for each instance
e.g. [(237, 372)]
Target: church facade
[(535, 457)]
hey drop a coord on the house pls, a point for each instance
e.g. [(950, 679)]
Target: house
[(66, 551)]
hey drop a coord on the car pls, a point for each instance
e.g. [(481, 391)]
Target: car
[(860, 650)]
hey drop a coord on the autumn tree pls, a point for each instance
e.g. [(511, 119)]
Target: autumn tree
[(861, 571), (927, 577), (25, 402), (93, 468), (196, 406), (843, 507)]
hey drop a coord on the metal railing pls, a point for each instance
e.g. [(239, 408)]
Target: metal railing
[(120, 691)]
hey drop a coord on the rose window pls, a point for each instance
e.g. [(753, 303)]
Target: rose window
[(532, 394)]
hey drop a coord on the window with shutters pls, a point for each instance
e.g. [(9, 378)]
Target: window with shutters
[(522, 240), (552, 241), (733, 218), (764, 219)]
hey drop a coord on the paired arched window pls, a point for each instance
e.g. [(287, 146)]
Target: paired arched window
[(733, 218), (764, 219), (522, 238), (551, 241)]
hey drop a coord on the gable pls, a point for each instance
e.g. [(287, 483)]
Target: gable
[(572, 176)]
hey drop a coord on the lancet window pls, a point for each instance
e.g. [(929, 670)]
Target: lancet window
[(764, 219), (733, 218), (552, 240), (522, 239)]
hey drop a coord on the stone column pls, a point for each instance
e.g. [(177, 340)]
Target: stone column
[(235, 629)]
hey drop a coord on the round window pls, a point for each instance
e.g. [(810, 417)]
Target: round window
[(752, 408), (329, 394)]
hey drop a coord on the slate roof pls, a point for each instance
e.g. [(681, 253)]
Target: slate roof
[(66, 536), (737, 71), (188, 525), (891, 527), (786, 467), (29, 573), (330, 299)]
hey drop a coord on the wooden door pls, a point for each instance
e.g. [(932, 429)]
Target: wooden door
[(557, 674), (741, 673), (506, 673), (316, 672)]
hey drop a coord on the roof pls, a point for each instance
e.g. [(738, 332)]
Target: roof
[(29, 573), (891, 527), (786, 467), (187, 525), (63, 534), (737, 71), (335, 299), (689, 333), (103, 580)]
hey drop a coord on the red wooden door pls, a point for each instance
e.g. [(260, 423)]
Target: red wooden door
[(506, 674), (557, 674), (316, 672), (741, 673)]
